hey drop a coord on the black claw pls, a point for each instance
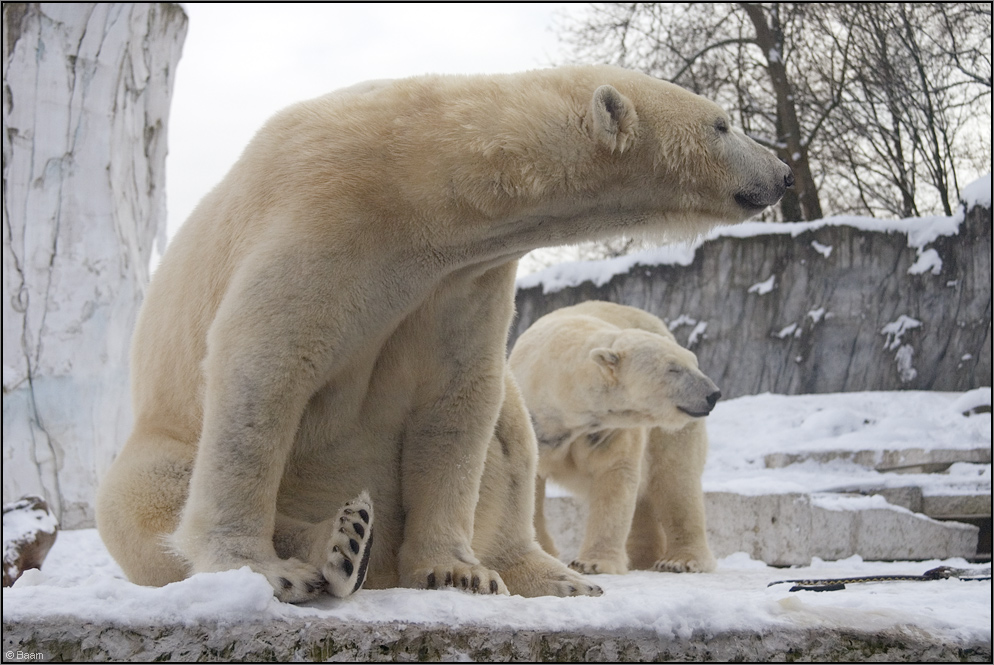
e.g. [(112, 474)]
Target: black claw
[(572, 589), (464, 582), (286, 583), (476, 582), (313, 587), (364, 515), (493, 586), (431, 580), (354, 546), (347, 567), (359, 529), (448, 578)]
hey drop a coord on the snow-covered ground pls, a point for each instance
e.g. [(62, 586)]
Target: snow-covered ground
[(79, 577)]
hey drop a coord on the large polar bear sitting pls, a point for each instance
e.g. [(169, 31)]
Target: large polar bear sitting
[(333, 316), (618, 406)]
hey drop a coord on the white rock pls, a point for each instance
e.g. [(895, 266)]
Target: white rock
[(87, 88)]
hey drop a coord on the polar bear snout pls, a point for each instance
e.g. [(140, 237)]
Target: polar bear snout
[(700, 411), (701, 407), (761, 196)]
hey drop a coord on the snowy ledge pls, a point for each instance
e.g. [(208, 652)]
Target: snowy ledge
[(729, 615)]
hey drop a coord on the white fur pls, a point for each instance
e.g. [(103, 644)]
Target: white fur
[(618, 406), (333, 315)]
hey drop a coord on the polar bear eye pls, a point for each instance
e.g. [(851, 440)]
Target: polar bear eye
[(721, 126)]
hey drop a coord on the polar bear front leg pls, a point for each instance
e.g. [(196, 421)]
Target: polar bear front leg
[(273, 342), (442, 455), (458, 340), (614, 467), (676, 462)]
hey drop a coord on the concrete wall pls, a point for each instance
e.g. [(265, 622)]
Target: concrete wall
[(847, 309)]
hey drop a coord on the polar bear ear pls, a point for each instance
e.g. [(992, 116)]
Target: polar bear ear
[(613, 119), (608, 361)]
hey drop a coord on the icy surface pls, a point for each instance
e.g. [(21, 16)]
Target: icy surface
[(79, 577)]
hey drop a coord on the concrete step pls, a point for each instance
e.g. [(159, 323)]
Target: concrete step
[(790, 529), (71, 639)]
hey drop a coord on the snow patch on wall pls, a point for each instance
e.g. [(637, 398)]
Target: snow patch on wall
[(928, 261), (824, 250), (905, 352), (763, 287), (896, 329)]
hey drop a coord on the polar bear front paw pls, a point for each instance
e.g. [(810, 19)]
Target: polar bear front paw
[(685, 565), (349, 547), (475, 578), (539, 574), (598, 567)]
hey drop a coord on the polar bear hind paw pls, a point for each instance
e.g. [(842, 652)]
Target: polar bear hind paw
[(350, 546), (293, 581)]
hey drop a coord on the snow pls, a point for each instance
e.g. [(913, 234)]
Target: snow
[(896, 329), (921, 231), (765, 287), (79, 577), (824, 250), (928, 261)]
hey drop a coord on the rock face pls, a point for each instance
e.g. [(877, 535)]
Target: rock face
[(86, 97), (818, 308)]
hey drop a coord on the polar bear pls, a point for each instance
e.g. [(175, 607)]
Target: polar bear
[(332, 319), (618, 407)]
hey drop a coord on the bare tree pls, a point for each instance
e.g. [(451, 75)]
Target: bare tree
[(921, 74)]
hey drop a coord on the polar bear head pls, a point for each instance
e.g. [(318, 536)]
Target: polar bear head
[(702, 168), (649, 379)]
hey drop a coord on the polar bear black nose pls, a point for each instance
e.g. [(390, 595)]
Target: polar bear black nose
[(713, 398), (788, 180)]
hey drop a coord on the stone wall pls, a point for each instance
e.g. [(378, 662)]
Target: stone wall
[(831, 308), (86, 93)]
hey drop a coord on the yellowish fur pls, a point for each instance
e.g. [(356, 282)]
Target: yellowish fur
[(332, 319), (618, 406)]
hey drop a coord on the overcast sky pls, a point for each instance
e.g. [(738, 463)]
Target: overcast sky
[(243, 62)]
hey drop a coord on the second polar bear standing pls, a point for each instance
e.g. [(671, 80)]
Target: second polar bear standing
[(618, 407)]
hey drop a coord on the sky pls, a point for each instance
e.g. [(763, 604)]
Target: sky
[(242, 63)]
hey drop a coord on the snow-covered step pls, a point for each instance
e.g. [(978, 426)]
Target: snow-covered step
[(792, 528), (905, 460), (77, 608)]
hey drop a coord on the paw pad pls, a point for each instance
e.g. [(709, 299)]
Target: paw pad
[(350, 548)]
